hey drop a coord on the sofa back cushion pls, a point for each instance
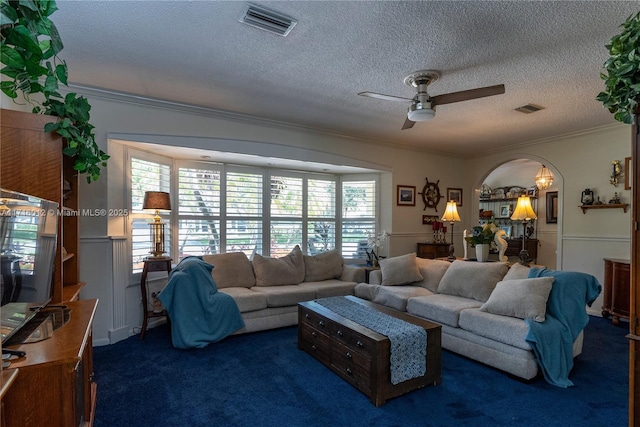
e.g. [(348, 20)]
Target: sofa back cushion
[(287, 270), (323, 266), (231, 270), (400, 270), (517, 271), (470, 279), (522, 298), (432, 271)]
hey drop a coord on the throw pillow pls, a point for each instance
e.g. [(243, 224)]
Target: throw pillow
[(232, 269), (400, 270), (323, 266), (432, 271), (470, 279), (517, 271), (522, 298), (287, 270)]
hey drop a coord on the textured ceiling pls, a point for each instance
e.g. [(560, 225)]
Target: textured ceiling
[(197, 53)]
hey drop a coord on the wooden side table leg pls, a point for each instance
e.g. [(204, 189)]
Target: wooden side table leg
[(143, 290)]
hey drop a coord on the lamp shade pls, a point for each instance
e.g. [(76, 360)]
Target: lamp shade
[(451, 212), (544, 178), (157, 200), (524, 211)]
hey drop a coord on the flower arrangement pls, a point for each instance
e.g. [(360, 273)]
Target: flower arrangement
[(482, 234), (374, 242)]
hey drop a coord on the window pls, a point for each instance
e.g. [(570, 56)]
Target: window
[(146, 175), (358, 216), (228, 208)]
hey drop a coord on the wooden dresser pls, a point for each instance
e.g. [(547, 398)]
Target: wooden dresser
[(514, 246), (361, 356), (432, 250), (617, 289)]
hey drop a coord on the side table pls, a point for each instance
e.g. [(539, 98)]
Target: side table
[(151, 264), (617, 289)]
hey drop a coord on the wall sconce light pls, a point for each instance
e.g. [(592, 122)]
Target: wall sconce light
[(451, 215), (544, 178), (524, 212), (158, 201)]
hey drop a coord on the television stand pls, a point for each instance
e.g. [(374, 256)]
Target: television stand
[(41, 327)]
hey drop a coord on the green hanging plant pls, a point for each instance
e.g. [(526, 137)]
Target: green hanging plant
[(622, 77), (29, 53)]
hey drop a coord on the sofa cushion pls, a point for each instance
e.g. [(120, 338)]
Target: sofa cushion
[(432, 271), (281, 296), (232, 269), (400, 270), (246, 299), (323, 266), (508, 330), (440, 308), (472, 279), (329, 288), (287, 270), (517, 271), (522, 298), (398, 296)]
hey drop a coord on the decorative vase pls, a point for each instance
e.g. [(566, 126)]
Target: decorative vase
[(482, 252)]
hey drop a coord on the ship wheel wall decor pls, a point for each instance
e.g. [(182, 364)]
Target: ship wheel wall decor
[(431, 195)]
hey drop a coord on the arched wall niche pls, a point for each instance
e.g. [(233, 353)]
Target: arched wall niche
[(520, 170)]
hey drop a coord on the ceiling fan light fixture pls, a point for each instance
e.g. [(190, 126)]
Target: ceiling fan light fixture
[(418, 112)]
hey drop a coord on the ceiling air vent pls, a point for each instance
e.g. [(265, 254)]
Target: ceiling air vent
[(529, 108), (267, 19)]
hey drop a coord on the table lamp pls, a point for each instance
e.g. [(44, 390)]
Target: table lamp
[(158, 201), (524, 212), (451, 215)]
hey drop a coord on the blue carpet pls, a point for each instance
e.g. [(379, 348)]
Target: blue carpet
[(262, 379)]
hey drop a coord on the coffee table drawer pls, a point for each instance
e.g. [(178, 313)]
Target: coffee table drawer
[(352, 366), (355, 341)]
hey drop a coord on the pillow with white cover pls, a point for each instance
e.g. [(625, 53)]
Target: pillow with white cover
[(470, 279), (432, 271), (522, 298), (517, 271), (287, 270), (323, 266), (400, 270)]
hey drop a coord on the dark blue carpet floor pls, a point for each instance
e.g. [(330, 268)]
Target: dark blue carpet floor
[(262, 379)]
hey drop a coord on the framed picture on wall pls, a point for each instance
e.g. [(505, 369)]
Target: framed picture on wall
[(552, 207), (406, 195), (430, 219), (505, 211), (455, 194)]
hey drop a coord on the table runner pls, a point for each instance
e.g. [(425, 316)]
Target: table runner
[(408, 341)]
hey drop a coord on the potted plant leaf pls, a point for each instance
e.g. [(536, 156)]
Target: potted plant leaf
[(32, 68), (622, 78)]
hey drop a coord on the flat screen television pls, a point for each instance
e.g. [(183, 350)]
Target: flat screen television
[(28, 236)]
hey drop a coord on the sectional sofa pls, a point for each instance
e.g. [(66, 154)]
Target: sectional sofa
[(267, 290), (491, 312)]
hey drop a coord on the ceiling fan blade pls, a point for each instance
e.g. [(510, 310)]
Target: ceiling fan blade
[(466, 95), (385, 97), (408, 124)]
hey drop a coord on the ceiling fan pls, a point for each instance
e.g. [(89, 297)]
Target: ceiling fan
[(422, 107)]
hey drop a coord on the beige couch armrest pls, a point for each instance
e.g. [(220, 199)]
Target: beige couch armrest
[(375, 277), (352, 273)]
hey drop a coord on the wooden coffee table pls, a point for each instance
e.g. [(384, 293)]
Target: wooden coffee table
[(360, 355)]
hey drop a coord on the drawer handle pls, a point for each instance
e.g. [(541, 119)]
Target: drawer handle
[(349, 371), (349, 356), (307, 316), (314, 334), (340, 333), (321, 323), (359, 344), (314, 347)]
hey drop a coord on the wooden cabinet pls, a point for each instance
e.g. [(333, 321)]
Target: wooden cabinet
[(433, 250), (617, 289), (514, 246), (55, 383), (31, 162)]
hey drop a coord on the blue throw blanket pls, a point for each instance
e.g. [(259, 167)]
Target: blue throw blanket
[(552, 340), (199, 313)]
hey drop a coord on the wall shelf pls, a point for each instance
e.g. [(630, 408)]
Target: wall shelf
[(622, 206)]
